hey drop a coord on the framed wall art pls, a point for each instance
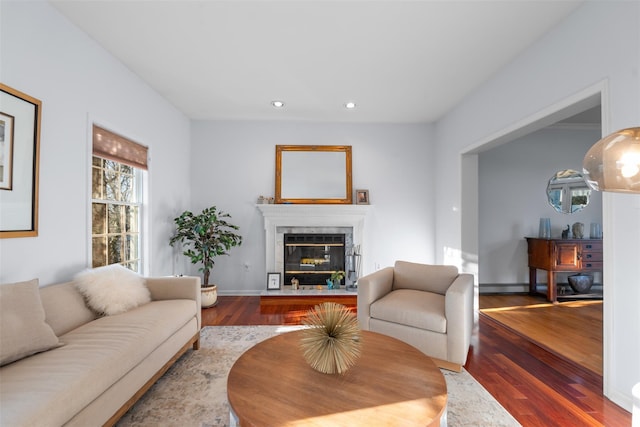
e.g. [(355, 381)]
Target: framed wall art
[(273, 281), (6, 151), (362, 197), (20, 116)]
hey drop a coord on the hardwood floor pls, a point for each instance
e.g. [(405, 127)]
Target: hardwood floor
[(570, 329), (537, 387)]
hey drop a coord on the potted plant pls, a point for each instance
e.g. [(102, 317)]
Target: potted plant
[(336, 277), (204, 237)]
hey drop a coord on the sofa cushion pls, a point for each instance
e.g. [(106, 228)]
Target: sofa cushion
[(23, 331), (64, 307), (423, 310), (56, 385), (424, 277), (112, 289)]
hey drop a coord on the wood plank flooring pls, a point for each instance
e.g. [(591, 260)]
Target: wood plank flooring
[(571, 329), (537, 387)]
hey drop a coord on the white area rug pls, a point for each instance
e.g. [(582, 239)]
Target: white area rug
[(193, 391)]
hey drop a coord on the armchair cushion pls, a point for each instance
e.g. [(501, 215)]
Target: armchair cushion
[(423, 310), (423, 277)]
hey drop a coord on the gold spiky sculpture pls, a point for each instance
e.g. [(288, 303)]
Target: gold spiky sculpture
[(331, 343)]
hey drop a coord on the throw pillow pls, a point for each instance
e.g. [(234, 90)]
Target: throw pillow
[(112, 289), (23, 330)]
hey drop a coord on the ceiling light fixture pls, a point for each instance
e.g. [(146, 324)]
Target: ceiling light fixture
[(350, 105), (277, 104), (613, 163)]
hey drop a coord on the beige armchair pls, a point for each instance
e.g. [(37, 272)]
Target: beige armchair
[(427, 306)]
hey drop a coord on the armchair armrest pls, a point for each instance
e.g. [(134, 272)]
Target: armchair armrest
[(184, 287), (371, 288), (459, 313)]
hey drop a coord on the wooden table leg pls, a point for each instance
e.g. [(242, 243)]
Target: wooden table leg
[(533, 282), (552, 292)]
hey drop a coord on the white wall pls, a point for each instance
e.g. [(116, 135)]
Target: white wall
[(599, 42), (512, 181), (77, 81), (234, 162)]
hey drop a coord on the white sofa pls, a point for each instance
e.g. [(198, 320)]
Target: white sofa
[(104, 363), (427, 306)]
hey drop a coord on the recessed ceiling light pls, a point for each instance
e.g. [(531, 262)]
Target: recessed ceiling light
[(349, 105), (277, 104)]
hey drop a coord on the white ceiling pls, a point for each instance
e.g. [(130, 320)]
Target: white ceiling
[(400, 61)]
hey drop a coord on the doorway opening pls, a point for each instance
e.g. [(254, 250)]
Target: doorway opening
[(586, 103)]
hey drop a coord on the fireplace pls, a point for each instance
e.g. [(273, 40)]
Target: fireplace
[(348, 220), (311, 258)]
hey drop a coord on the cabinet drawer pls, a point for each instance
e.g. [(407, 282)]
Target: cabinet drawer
[(592, 265), (591, 256), (592, 246)]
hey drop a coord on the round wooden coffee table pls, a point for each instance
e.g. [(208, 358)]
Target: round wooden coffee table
[(392, 384)]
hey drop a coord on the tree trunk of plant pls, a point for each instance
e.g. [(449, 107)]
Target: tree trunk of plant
[(206, 277)]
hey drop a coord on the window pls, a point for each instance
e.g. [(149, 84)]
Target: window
[(116, 203)]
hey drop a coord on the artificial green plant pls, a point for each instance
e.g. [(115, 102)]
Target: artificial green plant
[(205, 236)]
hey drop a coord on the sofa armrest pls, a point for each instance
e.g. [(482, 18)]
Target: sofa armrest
[(171, 287), (459, 314), (371, 288)]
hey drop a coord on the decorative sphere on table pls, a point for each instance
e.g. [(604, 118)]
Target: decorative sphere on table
[(331, 343)]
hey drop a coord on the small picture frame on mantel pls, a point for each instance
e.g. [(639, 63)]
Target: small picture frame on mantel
[(362, 197), (273, 281)]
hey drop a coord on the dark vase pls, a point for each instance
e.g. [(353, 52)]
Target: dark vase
[(581, 283)]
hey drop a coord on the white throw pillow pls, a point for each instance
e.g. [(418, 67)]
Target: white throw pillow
[(23, 330), (112, 289)]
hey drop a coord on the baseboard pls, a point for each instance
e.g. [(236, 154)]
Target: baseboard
[(237, 293), (621, 399), (503, 288)]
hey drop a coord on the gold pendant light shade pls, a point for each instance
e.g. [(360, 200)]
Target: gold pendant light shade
[(613, 163)]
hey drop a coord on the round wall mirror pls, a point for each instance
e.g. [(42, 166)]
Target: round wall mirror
[(568, 192)]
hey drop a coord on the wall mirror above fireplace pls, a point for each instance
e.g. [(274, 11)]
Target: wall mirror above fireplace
[(568, 192), (313, 174)]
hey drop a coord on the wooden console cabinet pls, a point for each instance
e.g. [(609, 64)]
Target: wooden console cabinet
[(561, 256)]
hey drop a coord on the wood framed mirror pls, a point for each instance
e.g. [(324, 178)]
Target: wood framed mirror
[(313, 174)]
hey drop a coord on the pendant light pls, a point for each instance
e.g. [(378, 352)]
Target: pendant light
[(613, 163)]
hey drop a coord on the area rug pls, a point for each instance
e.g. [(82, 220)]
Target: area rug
[(193, 391), (572, 330)]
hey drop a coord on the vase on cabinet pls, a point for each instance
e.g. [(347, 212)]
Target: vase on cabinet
[(544, 231)]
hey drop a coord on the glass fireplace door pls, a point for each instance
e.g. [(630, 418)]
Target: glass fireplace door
[(311, 258)]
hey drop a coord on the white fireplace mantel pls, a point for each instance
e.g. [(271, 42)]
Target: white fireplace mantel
[(295, 215)]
